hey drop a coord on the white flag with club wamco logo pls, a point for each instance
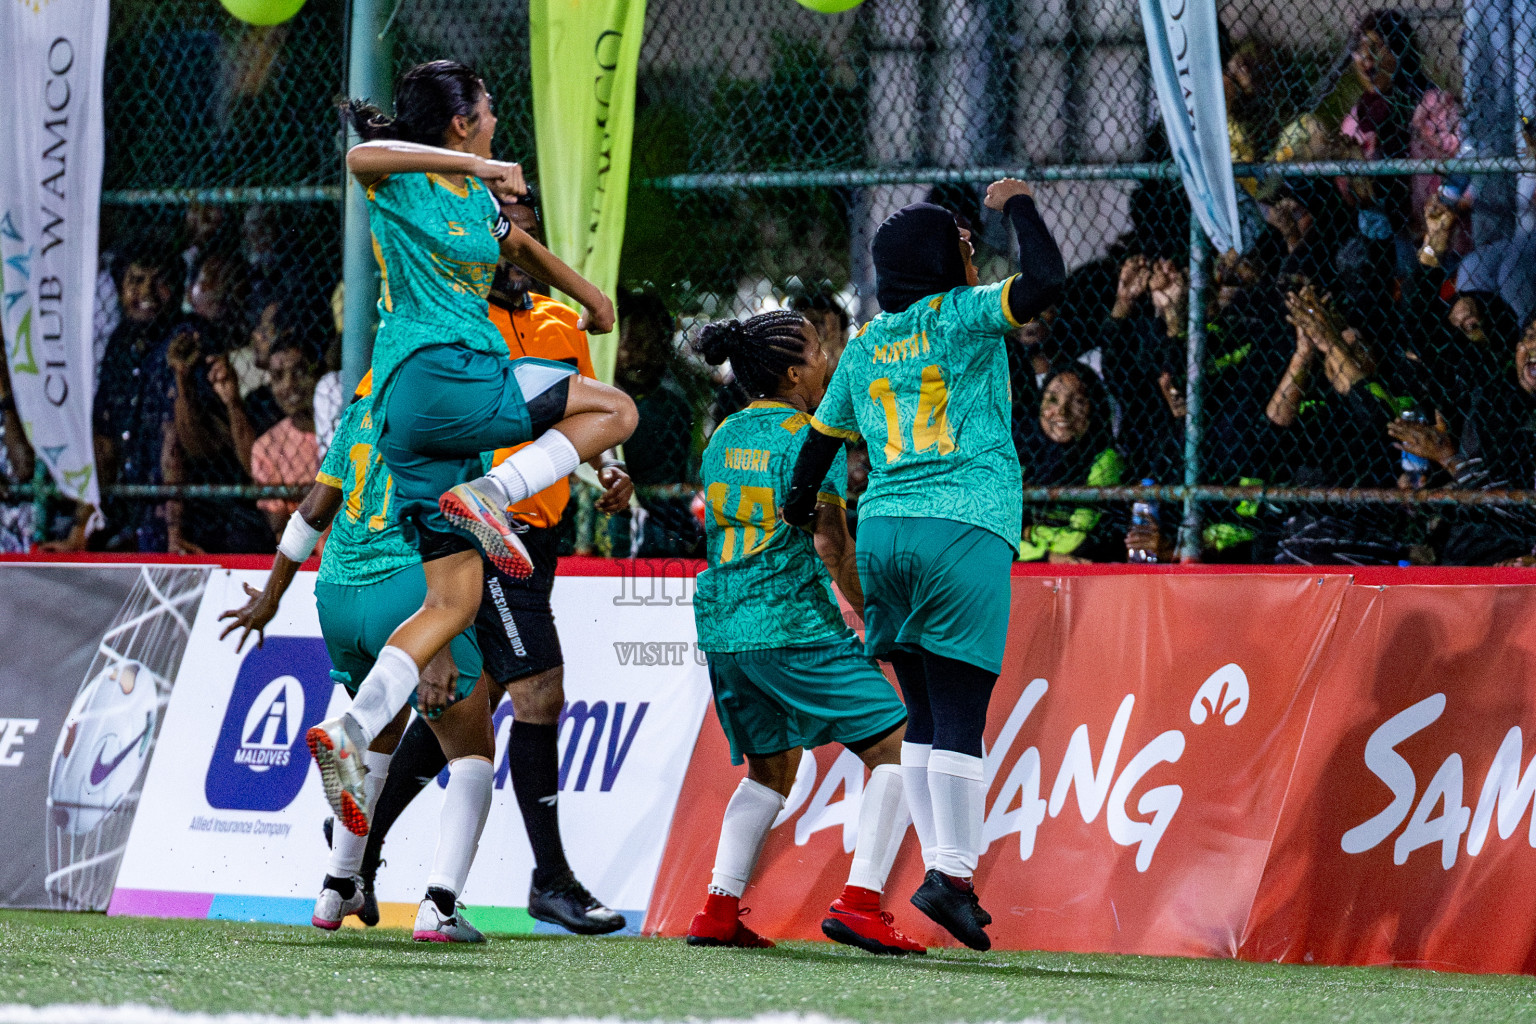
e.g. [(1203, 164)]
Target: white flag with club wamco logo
[(1185, 56), (50, 191)]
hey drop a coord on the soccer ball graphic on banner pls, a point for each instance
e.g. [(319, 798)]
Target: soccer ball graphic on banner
[(103, 746), (100, 757)]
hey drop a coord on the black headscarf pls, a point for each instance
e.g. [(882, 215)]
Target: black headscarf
[(1049, 464), (917, 254)]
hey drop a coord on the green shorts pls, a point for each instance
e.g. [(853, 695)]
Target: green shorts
[(446, 405), (357, 621), (935, 584), (809, 695)]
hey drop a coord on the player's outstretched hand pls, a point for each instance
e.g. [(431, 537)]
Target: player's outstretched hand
[(258, 611), (597, 319), (617, 490), (504, 179), (1004, 189)]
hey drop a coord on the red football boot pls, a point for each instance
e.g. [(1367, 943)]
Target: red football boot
[(857, 920), (719, 924)]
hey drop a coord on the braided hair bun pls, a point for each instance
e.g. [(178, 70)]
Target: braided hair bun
[(760, 349), (720, 341)]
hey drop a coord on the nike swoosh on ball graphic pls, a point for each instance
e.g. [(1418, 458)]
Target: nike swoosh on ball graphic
[(99, 771)]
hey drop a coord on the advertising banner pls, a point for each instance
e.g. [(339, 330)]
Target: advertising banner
[(88, 656), (1184, 52), (1408, 831), (1137, 752), (585, 59), (51, 153), (232, 813)]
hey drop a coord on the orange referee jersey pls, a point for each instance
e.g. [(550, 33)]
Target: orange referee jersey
[(546, 330)]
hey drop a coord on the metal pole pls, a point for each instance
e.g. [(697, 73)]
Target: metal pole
[(368, 76), (40, 488), (1194, 393)]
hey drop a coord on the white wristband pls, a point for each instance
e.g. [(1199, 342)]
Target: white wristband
[(299, 539)]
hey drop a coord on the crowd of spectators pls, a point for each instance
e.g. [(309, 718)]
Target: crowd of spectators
[(1375, 332)]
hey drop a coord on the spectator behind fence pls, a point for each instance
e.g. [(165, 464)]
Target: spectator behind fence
[(1032, 351), (659, 451), (291, 310), (1072, 446), (201, 226), (210, 439), (1489, 443), (826, 313), (134, 401), (1331, 408), (328, 396), (1144, 344), (288, 455)]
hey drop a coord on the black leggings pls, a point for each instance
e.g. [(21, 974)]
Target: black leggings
[(946, 700)]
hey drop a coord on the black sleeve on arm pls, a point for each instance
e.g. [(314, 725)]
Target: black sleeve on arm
[(1041, 270), (811, 468)]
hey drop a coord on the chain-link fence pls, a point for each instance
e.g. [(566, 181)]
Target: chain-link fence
[(1387, 281)]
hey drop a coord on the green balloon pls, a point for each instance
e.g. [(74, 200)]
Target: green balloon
[(830, 6), (263, 12)]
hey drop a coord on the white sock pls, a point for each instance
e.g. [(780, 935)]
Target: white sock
[(529, 470), (748, 817), (383, 693), (882, 823), (346, 848), (914, 776), (466, 804), (959, 794)]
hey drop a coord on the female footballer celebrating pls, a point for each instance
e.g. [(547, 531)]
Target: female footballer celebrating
[(444, 390), (786, 670), (926, 383)]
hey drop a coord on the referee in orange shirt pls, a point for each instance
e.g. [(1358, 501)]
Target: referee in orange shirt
[(516, 630)]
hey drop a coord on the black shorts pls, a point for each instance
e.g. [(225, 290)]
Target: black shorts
[(515, 626)]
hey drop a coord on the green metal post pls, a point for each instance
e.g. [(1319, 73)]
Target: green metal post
[(368, 77), (1194, 393), (40, 485)]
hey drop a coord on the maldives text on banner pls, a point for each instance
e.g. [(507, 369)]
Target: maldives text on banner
[(51, 146), (230, 827)]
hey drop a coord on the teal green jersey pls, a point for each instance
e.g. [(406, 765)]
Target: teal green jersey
[(365, 545), (765, 585), (928, 389), (437, 254)]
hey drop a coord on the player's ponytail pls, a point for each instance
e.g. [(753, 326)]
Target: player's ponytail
[(760, 350), (427, 99)]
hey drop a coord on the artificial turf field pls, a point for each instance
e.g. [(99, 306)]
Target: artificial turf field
[(221, 967)]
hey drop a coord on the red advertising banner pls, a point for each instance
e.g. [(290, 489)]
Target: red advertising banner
[(1407, 832), (1138, 750)]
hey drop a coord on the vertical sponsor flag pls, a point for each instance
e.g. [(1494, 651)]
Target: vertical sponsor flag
[(1185, 57), (584, 57), (50, 190)]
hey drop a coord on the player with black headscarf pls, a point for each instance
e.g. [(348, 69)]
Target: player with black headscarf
[(926, 383)]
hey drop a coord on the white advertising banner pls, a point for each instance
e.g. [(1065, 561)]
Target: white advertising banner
[(1185, 57), (51, 146), (229, 825)]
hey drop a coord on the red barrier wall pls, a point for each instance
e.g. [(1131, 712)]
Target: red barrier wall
[(1175, 761)]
